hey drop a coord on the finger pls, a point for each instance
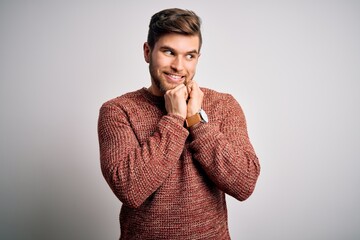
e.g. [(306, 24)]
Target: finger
[(175, 89), (185, 90), (189, 86), (194, 85), (179, 91), (179, 87)]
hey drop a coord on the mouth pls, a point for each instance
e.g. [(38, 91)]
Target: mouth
[(175, 78)]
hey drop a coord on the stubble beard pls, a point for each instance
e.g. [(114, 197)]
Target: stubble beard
[(160, 82)]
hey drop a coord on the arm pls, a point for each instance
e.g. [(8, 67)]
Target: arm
[(226, 153), (135, 171)]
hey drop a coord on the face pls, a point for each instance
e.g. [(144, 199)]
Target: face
[(172, 61)]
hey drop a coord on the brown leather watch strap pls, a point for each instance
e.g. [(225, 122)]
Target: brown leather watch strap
[(194, 119)]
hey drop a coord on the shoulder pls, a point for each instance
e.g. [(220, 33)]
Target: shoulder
[(216, 96), (126, 99), (220, 104)]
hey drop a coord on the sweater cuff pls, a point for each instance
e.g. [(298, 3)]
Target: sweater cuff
[(199, 129), (176, 118), (175, 124)]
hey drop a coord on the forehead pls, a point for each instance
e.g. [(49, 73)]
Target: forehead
[(179, 42)]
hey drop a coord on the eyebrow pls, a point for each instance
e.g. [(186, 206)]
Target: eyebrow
[(173, 50)]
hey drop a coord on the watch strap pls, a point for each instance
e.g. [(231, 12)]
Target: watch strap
[(194, 119)]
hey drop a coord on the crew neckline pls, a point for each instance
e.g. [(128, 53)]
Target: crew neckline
[(149, 96)]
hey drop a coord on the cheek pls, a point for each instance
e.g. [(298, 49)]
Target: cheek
[(159, 61), (191, 67)]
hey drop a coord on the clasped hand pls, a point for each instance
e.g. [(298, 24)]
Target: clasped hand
[(184, 100)]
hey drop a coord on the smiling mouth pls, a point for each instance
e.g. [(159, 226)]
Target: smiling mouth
[(174, 77)]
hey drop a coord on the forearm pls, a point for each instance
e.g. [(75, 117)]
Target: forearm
[(232, 165), (133, 170), (223, 149)]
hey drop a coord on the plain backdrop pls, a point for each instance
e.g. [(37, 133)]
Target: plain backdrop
[(294, 66)]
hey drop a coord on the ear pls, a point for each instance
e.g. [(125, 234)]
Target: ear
[(147, 52)]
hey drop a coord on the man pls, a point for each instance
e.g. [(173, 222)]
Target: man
[(168, 163)]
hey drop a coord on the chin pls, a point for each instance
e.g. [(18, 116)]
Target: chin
[(169, 86)]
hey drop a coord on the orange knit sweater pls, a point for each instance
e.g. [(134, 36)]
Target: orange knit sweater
[(172, 181)]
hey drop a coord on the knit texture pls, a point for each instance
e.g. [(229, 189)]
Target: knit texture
[(172, 181)]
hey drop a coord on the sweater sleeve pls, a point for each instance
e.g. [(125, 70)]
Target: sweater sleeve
[(134, 171), (225, 152)]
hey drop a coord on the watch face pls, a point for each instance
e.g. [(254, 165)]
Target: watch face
[(203, 115)]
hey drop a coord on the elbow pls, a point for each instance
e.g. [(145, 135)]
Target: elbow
[(127, 195), (248, 186), (124, 191), (129, 199), (246, 192)]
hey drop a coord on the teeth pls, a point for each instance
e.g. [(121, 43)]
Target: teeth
[(175, 76)]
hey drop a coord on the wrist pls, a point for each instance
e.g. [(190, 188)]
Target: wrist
[(198, 117)]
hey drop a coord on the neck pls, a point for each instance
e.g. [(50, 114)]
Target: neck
[(154, 91)]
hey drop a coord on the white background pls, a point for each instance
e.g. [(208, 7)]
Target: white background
[(294, 66)]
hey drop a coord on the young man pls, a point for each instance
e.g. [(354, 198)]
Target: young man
[(168, 162)]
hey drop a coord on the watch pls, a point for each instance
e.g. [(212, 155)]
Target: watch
[(198, 117)]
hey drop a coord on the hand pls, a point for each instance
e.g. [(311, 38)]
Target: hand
[(175, 100), (195, 98)]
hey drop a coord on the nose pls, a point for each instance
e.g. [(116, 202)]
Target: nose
[(177, 64)]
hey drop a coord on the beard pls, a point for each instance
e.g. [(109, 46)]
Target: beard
[(160, 81), (157, 80)]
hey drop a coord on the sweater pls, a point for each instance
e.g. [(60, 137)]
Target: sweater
[(172, 180)]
